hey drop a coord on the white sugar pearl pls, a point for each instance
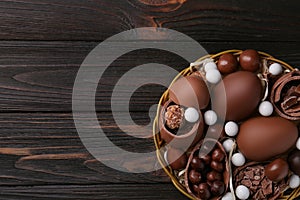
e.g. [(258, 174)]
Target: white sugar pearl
[(242, 192), (210, 65), (294, 181), (231, 129), (298, 144), (238, 159), (210, 117), (227, 196), (213, 76), (265, 108), (275, 69), (228, 144), (191, 115)]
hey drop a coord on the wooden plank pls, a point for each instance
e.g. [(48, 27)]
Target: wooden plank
[(96, 192), (44, 148), (98, 20), (39, 76)]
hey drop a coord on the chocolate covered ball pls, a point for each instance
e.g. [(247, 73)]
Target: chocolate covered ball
[(195, 177), (218, 166), (217, 188), (294, 161), (204, 192), (206, 158), (176, 158), (197, 164), (277, 170), (218, 155), (227, 63), (213, 176), (250, 60)]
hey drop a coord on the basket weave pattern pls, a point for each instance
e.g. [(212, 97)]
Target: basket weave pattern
[(159, 143)]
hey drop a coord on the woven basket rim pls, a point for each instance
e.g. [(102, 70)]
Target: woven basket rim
[(156, 135)]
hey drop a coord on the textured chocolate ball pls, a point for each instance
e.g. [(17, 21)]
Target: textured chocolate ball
[(195, 177), (227, 63), (250, 60), (218, 155), (197, 164), (217, 188), (176, 158), (294, 161)]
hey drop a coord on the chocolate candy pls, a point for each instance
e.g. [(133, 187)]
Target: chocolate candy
[(218, 166), (197, 163), (218, 155), (294, 161), (195, 177), (262, 138), (176, 158), (204, 191), (227, 63), (277, 170), (217, 188), (174, 116), (241, 88), (250, 60), (214, 176)]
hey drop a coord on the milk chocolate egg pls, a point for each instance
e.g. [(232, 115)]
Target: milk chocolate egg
[(262, 138), (190, 91), (277, 170), (240, 94), (294, 161)]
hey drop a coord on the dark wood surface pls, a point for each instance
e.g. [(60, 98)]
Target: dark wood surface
[(44, 42)]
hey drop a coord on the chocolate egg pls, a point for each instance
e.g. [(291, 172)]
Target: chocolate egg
[(277, 170), (240, 94), (262, 138), (190, 91), (294, 161), (176, 158)]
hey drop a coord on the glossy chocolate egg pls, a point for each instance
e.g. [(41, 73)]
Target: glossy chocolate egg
[(176, 158), (294, 161), (190, 91), (277, 170), (243, 93), (262, 138)]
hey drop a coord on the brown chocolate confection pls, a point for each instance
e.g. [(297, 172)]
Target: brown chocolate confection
[(253, 177), (174, 116), (285, 95)]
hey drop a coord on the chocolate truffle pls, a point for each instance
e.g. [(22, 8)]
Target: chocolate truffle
[(174, 116), (277, 170), (250, 60), (227, 63)]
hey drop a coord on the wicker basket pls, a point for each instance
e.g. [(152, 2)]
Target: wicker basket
[(159, 143)]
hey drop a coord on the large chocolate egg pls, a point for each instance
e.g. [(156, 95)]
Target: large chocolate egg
[(240, 93), (262, 138), (294, 161), (190, 91)]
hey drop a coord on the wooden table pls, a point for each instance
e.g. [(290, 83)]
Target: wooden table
[(43, 43)]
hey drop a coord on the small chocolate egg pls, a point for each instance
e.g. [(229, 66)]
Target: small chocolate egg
[(227, 63), (250, 60), (261, 138), (277, 170), (190, 91), (240, 94), (176, 158), (294, 161)]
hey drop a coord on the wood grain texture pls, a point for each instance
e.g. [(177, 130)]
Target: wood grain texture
[(98, 20), (96, 192), (39, 76), (45, 148)]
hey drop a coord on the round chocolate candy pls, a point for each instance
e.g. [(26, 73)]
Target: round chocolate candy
[(277, 170), (197, 164), (217, 188), (195, 177), (218, 166), (218, 155), (176, 158), (294, 161), (250, 60), (227, 63), (214, 176), (204, 192)]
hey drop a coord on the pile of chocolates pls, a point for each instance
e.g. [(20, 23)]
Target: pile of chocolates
[(231, 126)]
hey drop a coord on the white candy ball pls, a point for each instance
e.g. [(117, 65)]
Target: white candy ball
[(210, 117), (210, 65), (265, 108), (242, 192), (275, 69), (231, 129), (227, 196), (238, 159), (294, 181), (213, 76), (298, 144), (228, 144), (191, 115)]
